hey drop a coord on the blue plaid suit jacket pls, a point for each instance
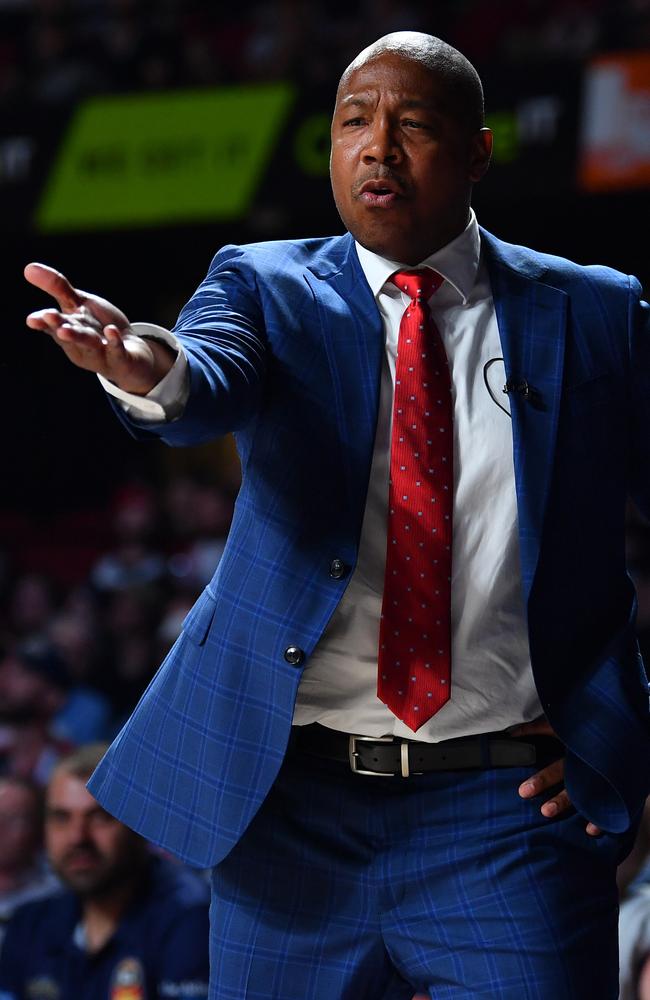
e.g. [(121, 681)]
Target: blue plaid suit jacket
[(285, 345)]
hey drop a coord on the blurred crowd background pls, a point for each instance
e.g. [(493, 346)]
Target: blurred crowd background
[(57, 50), (105, 543)]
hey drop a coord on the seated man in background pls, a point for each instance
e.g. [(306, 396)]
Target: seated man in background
[(38, 687), (23, 876), (634, 939), (128, 924)]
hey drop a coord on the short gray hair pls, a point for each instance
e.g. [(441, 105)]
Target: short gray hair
[(81, 762)]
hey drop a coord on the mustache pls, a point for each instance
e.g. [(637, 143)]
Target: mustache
[(81, 851), (382, 173)]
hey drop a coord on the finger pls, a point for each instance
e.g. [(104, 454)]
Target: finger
[(66, 333), (45, 319), (558, 804), (105, 312), (114, 343), (55, 284), (113, 335), (546, 778), (593, 830), (538, 727), (91, 340), (84, 337)]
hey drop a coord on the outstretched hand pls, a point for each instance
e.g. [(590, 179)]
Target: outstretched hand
[(548, 777), (95, 335)]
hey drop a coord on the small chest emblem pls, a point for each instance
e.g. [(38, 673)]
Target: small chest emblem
[(127, 982)]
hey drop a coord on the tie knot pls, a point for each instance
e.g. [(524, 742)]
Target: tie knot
[(419, 284)]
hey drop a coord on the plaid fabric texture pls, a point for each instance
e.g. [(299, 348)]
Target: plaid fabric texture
[(285, 344), (449, 884)]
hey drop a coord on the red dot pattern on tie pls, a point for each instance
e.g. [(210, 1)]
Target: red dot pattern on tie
[(414, 662)]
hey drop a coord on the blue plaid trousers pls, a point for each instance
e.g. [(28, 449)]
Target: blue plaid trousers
[(347, 887)]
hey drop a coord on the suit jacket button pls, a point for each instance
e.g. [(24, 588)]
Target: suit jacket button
[(294, 655), (338, 569)]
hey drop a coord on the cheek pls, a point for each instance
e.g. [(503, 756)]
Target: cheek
[(438, 157), (11, 844), (23, 842), (440, 186), (21, 689), (54, 842), (342, 162), (111, 842)]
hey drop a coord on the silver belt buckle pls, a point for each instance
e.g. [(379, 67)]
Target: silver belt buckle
[(354, 754)]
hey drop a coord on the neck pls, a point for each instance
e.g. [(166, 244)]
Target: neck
[(405, 252), (101, 915), (442, 239)]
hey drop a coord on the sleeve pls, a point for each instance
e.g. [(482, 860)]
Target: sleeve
[(634, 942), (639, 459), (167, 400), (221, 332), (184, 958)]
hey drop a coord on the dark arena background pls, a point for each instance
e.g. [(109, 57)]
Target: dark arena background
[(138, 138)]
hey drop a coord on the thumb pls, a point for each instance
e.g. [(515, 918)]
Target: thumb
[(55, 284)]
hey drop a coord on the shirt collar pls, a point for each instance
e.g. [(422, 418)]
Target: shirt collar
[(457, 262)]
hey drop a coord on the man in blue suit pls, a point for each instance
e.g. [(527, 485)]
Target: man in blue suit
[(359, 849)]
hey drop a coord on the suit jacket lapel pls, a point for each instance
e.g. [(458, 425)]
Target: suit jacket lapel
[(354, 343), (531, 317)]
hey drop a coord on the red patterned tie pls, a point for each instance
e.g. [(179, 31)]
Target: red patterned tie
[(415, 628)]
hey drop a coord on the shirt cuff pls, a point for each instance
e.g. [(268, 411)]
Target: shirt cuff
[(166, 401)]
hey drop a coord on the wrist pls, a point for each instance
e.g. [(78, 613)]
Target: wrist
[(157, 359), (164, 357), (150, 361)]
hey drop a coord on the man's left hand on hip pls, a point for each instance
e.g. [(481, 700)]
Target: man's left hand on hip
[(549, 777)]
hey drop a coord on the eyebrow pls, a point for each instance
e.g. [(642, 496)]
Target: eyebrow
[(410, 103), (61, 811)]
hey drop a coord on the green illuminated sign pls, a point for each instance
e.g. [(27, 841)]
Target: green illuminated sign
[(174, 157), (311, 145), (506, 136)]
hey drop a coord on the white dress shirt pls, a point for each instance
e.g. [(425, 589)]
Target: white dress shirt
[(491, 682)]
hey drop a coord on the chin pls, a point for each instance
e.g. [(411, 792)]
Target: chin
[(81, 885), (382, 238), (386, 248), (377, 240)]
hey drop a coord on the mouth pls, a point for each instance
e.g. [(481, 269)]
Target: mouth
[(81, 861), (380, 193)]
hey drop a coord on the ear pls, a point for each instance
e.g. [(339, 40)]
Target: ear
[(480, 153)]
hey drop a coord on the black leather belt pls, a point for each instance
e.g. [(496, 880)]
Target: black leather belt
[(391, 756)]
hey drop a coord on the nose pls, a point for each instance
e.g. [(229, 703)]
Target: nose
[(382, 145), (78, 830)]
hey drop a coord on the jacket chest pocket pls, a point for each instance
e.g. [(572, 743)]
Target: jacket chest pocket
[(197, 622)]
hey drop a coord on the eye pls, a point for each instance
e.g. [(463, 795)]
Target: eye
[(353, 121), (101, 818), (412, 123), (57, 817)]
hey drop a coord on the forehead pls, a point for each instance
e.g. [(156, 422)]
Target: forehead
[(394, 76), (66, 791), (15, 797)]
